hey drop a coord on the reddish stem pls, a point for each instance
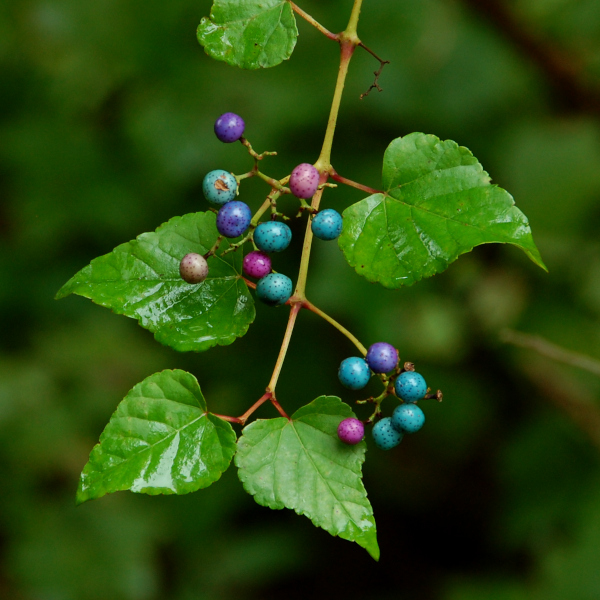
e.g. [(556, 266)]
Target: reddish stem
[(249, 283), (365, 188), (266, 396), (279, 408), (230, 419)]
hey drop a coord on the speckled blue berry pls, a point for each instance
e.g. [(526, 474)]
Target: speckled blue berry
[(354, 373), (304, 181), (382, 357), (408, 418), (274, 289), (219, 187), (257, 264), (384, 434), (410, 386), (272, 236), (233, 219), (351, 431), (229, 127), (327, 224)]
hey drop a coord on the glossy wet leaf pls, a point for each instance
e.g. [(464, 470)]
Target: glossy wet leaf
[(437, 204), (250, 34), (140, 279), (160, 440), (301, 464)]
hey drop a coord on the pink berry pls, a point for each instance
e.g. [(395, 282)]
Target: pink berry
[(257, 264), (351, 431), (193, 268), (304, 181)]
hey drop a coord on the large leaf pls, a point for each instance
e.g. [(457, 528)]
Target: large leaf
[(141, 280), (249, 33), (301, 464), (160, 440), (438, 203)]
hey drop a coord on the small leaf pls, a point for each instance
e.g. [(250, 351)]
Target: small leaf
[(140, 279), (160, 440), (301, 464), (438, 204), (252, 34)]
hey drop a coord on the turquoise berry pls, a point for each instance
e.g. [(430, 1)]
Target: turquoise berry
[(385, 436), (274, 289), (272, 236), (408, 418), (219, 187), (327, 224), (354, 373), (410, 386)]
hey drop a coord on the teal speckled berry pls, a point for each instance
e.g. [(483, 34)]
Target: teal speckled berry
[(219, 187), (384, 434), (274, 289), (354, 373), (272, 236), (410, 386), (327, 224), (408, 418)]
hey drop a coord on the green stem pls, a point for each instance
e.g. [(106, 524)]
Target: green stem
[(284, 346), (348, 41), (315, 24), (353, 22), (310, 306)]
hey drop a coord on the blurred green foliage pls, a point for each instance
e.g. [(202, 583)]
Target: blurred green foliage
[(106, 117)]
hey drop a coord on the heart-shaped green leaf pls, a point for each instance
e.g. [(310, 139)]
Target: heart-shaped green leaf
[(438, 203), (252, 34), (160, 440), (301, 464), (140, 279)]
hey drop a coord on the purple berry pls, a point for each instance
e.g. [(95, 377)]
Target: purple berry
[(382, 357), (193, 268), (229, 127), (351, 431), (233, 218), (304, 181), (257, 264)]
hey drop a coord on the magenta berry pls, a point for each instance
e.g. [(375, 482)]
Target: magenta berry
[(257, 264), (229, 127), (304, 181), (193, 268), (351, 431), (382, 357)]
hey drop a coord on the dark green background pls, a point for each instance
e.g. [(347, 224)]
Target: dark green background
[(106, 116)]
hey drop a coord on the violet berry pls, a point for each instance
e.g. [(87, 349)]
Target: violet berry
[(229, 127), (382, 357)]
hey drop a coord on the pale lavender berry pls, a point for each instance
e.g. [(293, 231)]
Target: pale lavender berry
[(229, 127), (382, 357), (193, 268), (257, 264), (304, 181), (351, 431)]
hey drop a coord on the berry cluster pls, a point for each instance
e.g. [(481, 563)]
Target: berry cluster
[(409, 386), (234, 219)]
